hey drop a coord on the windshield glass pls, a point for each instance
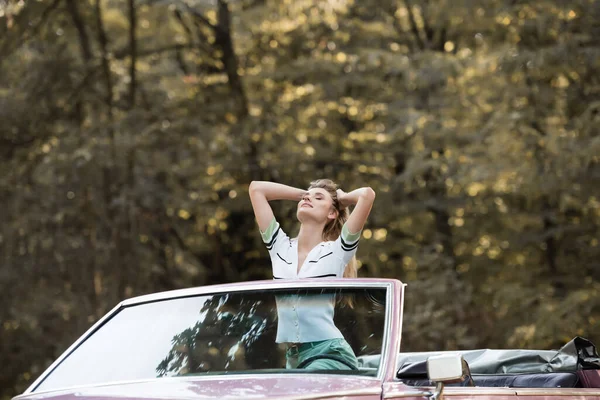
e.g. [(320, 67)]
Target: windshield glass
[(238, 332)]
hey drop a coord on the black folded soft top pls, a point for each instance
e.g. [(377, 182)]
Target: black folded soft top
[(577, 354)]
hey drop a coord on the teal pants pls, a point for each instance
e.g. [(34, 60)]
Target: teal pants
[(337, 347)]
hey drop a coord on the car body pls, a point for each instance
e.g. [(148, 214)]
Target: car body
[(217, 342)]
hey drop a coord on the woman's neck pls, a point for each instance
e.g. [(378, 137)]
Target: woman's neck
[(309, 236)]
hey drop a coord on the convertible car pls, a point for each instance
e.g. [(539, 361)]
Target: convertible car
[(219, 342)]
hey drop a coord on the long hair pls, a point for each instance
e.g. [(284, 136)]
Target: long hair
[(333, 228)]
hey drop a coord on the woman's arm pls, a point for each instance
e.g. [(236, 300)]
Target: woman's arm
[(262, 192), (363, 198)]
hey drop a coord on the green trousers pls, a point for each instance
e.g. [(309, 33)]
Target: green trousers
[(337, 347)]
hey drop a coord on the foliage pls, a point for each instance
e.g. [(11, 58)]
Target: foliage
[(131, 130)]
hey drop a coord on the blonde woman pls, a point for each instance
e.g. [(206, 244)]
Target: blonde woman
[(325, 247)]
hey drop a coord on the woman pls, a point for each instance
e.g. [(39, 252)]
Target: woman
[(325, 247)]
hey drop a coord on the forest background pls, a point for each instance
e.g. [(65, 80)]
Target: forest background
[(130, 130)]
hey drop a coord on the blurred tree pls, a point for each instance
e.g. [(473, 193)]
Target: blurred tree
[(131, 130)]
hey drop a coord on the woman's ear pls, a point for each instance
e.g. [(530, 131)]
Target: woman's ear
[(333, 214)]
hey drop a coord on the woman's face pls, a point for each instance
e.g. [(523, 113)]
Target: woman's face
[(316, 205)]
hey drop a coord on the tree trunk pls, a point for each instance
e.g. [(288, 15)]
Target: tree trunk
[(84, 41), (86, 54), (413, 26), (108, 84), (132, 52), (229, 59), (551, 249)]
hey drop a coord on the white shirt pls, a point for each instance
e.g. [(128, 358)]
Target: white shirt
[(304, 319)]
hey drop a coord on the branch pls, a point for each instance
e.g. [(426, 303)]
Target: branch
[(413, 25), (86, 50), (123, 53), (179, 17), (9, 146), (132, 52), (225, 42), (200, 17), (84, 42), (107, 77), (201, 45), (79, 88), (427, 29), (34, 30), (181, 62)]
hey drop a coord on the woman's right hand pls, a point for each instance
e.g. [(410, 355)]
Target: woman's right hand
[(343, 198)]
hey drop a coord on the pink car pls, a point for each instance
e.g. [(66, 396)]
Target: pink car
[(219, 342)]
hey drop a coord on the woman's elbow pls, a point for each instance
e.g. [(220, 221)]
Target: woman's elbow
[(369, 193), (254, 187)]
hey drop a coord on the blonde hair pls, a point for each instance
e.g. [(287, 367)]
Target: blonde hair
[(333, 228)]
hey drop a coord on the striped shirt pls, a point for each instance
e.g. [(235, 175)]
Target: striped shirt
[(304, 319), (326, 260)]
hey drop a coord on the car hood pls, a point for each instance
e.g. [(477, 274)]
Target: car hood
[(282, 387)]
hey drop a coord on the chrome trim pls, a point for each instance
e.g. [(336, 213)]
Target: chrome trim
[(438, 393), (259, 285), (191, 379), (484, 391), (382, 283), (479, 391), (386, 331), (557, 392), (341, 393), (452, 391), (400, 393), (398, 343)]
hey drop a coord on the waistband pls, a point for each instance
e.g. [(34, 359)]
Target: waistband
[(305, 346)]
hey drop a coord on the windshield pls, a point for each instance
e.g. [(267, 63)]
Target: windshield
[(231, 333)]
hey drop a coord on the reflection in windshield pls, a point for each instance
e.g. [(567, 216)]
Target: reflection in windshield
[(230, 328), (224, 333)]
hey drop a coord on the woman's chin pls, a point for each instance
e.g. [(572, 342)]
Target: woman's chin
[(308, 215), (300, 214), (304, 213)]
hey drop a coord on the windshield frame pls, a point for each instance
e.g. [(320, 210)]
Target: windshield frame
[(252, 286)]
